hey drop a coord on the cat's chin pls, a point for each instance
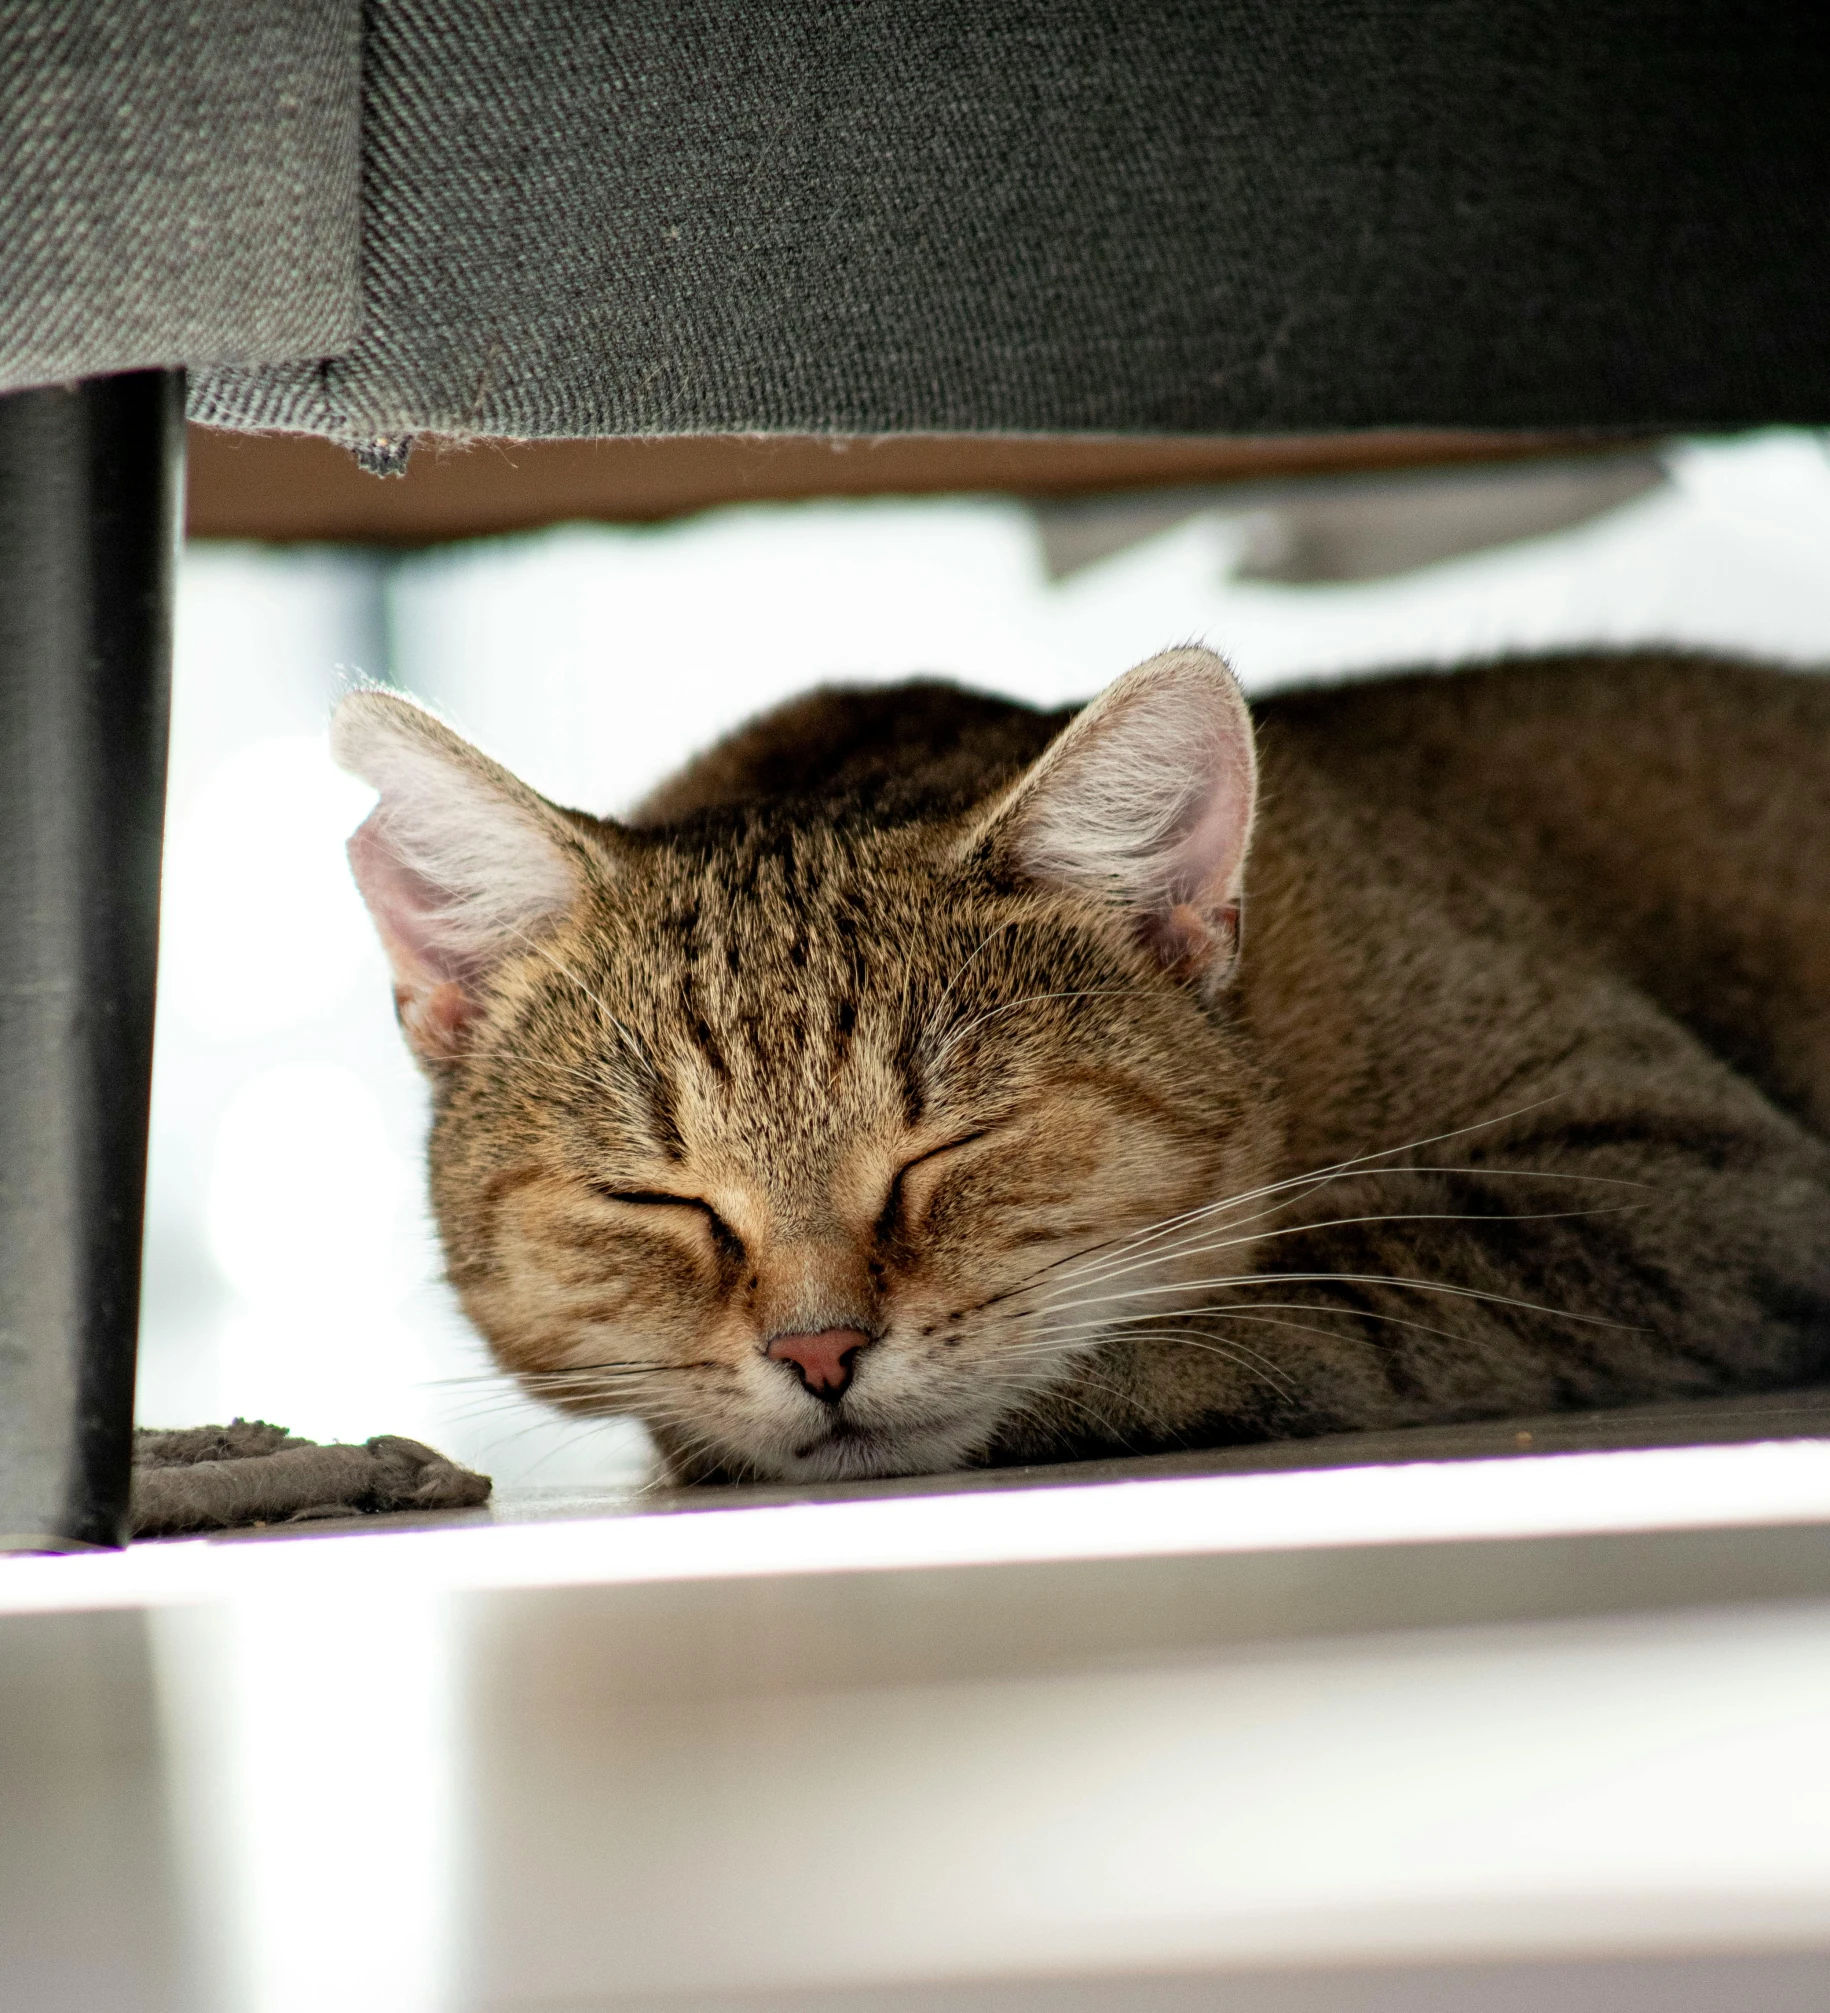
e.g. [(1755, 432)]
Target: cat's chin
[(859, 1454), (845, 1452)]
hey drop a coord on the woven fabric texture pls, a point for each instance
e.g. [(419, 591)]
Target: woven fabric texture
[(1171, 216), (182, 183)]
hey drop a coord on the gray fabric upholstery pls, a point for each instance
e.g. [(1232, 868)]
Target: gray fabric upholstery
[(1172, 215), (584, 218), (181, 183)]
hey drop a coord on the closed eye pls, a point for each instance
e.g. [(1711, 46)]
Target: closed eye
[(723, 1235), (892, 1206)]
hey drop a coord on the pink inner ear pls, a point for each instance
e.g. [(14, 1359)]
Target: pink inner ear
[(1206, 865), (437, 1019), (408, 912), (1192, 917), (1180, 935), (1190, 939)]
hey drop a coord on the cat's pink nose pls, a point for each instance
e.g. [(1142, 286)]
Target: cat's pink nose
[(824, 1361)]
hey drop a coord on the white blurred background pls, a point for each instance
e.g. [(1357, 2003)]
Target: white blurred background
[(292, 1273)]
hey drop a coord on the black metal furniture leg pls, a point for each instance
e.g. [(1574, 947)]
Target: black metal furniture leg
[(90, 491)]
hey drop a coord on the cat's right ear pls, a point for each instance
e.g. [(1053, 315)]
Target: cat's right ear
[(461, 864)]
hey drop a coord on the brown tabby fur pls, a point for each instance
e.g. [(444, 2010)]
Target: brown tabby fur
[(1538, 958)]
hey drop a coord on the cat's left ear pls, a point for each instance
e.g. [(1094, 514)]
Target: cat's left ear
[(1145, 801)]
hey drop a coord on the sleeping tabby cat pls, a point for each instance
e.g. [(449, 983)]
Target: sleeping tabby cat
[(899, 1088)]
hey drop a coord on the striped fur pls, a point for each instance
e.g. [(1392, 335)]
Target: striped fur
[(913, 1012)]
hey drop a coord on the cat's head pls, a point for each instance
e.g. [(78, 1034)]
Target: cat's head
[(812, 1137)]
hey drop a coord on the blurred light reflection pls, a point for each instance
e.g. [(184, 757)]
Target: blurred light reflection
[(305, 1165), (311, 1756)]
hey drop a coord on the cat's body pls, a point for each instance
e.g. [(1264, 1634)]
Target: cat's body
[(909, 1017)]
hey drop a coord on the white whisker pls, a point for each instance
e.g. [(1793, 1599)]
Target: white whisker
[(1343, 1169), (1193, 1247)]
